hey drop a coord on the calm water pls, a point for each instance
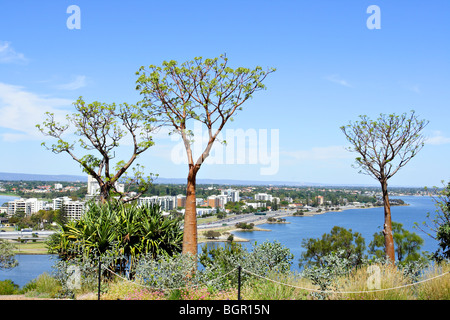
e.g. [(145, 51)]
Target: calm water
[(29, 268), (365, 221), (4, 199)]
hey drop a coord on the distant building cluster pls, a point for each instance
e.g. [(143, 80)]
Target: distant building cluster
[(57, 187), (166, 203), (219, 201), (73, 209), (251, 200), (93, 188), (261, 200)]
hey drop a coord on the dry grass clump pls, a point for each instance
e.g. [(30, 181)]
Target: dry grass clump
[(282, 287), (386, 282), (375, 282), (438, 288)]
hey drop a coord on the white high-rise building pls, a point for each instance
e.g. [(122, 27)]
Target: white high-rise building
[(232, 195), (27, 206), (58, 202), (93, 188), (165, 202), (73, 210), (263, 197)]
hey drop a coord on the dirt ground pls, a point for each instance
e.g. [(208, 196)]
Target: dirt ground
[(20, 297)]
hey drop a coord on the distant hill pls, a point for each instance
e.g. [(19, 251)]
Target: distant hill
[(234, 182), (73, 178), (40, 177)]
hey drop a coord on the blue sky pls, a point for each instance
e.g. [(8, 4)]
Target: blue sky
[(331, 68)]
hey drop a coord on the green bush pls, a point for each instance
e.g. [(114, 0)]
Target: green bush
[(8, 287), (44, 286)]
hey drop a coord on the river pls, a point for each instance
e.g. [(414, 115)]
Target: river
[(365, 221)]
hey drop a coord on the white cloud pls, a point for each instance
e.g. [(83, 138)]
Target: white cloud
[(319, 153), (21, 110), (437, 139), (9, 55), (337, 79), (77, 83)]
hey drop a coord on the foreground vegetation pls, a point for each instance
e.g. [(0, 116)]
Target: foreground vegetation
[(139, 253), (171, 279)]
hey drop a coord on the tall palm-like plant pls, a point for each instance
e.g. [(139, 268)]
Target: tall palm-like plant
[(159, 235), (125, 231)]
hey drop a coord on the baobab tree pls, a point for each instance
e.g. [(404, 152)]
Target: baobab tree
[(202, 90), (384, 146), (101, 127)]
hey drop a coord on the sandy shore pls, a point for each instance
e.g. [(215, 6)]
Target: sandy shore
[(226, 231)]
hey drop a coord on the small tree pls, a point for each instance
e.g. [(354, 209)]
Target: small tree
[(351, 245), (407, 244), (206, 91), (7, 259), (385, 145), (439, 227), (101, 127), (211, 234)]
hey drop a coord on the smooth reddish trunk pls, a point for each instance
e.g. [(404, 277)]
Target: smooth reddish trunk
[(190, 216), (387, 230)]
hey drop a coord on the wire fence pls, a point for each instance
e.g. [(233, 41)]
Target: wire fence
[(239, 269)]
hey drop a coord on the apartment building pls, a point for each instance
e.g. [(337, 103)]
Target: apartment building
[(181, 200), (58, 202), (28, 206), (73, 210), (93, 188), (165, 202), (232, 195), (217, 201), (263, 197)]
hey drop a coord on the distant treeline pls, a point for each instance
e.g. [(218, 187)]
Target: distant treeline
[(305, 195)]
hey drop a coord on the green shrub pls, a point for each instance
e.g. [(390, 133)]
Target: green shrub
[(167, 272), (8, 287), (29, 286), (44, 286)]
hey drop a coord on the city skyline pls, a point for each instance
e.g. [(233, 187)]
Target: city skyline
[(331, 68)]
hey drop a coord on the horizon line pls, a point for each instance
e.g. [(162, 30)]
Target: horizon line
[(212, 181)]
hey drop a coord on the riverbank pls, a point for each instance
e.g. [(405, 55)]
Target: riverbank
[(227, 230), (31, 248)]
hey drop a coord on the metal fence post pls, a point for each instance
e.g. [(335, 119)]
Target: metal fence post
[(239, 282), (99, 275)]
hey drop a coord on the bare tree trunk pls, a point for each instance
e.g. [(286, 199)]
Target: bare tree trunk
[(190, 215), (104, 192), (387, 230)]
